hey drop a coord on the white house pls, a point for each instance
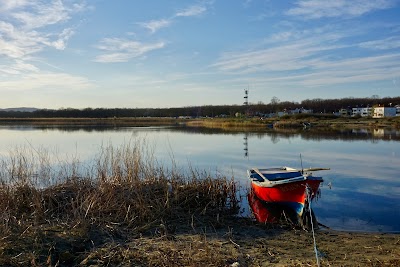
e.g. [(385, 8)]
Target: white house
[(363, 112), (344, 112), (380, 112), (299, 110)]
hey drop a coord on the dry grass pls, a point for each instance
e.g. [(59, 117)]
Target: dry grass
[(117, 121), (126, 194), (229, 123)]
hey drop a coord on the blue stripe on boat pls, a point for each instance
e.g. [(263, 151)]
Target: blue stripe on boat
[(296, 206)]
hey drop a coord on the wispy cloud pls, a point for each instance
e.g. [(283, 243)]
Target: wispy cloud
[(387, 43), (6, 5), (18, 67), (315, 9), (292, 51), (122, 50), (155, 25), (24, 31), (63, 37), (28, 28), (17, 43), (46, 80), (191, 11), (39, 15), (311, 60)]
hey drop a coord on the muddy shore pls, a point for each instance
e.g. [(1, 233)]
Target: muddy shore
[(240, 242)]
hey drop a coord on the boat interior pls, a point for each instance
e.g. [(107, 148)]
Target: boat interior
[(274, 174)]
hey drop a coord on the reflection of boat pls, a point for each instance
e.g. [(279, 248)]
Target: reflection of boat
[(264, 212), (285, 186), (274, 212)]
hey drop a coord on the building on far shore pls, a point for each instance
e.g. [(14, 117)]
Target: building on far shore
[(374, 112), (363, 112), (380, 112), (344, 112)]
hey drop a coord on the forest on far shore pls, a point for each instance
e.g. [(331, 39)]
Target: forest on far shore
[(317, 105)]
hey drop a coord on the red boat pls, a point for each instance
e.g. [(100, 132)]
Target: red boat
[(285, 186)]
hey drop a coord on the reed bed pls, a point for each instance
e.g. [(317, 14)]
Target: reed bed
[(56, 213), (229, 123), (113, 121)]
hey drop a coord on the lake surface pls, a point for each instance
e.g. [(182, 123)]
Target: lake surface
[(360, 192)]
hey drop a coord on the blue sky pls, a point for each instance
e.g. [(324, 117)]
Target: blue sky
[(135, 54)]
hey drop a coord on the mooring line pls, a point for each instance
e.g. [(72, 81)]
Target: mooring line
[(312, 225)]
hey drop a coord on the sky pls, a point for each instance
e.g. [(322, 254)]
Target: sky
[(159, 54)]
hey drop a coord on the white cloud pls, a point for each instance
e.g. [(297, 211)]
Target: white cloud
[(352, 70), (122, 50), (41, 15), (20, 31), (293, 54), (191, 11), (155, 25), (18, 67), (312, 58), (17, 43), (50, 81), (63, 37), (315, 9), (388, 43), (24, 33), (13, 4)]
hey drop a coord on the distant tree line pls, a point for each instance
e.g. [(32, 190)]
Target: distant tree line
[(318, 105)]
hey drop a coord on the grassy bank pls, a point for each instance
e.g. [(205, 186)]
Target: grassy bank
[(228, 123), (298, 122), (139, 121), (127, 210), (232, 124)]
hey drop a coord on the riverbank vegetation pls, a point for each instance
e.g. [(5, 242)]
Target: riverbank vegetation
[(67, 214), (296, 121), (123, 208), (317, 105)]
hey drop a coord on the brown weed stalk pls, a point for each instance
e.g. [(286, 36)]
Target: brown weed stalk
[(124, 187)]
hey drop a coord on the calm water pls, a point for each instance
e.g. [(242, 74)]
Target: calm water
[(360, 192)]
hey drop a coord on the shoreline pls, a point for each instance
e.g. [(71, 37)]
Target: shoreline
[(292, 122), (240, 242)]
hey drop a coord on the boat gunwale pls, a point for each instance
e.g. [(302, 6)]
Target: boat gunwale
[(272, 183)]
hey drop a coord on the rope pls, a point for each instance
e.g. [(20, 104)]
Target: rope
[(312, 225)]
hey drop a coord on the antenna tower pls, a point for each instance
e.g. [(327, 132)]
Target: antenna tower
[(246, 97)]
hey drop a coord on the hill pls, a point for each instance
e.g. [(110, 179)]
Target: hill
[(20, 109)]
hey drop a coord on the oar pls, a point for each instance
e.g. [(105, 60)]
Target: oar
[(259, 173), (316, 169)]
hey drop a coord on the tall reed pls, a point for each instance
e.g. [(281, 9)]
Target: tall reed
[(124, 186)]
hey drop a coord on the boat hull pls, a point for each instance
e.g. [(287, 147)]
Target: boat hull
[(272, 212), (275, 213), (292, 195)]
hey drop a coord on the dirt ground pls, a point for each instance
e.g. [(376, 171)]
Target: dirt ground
[(290, 247), (236, 243)]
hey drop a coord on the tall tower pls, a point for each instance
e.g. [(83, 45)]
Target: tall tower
[(246, 97)]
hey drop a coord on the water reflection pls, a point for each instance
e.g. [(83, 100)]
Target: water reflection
[(278, 214), (246, 145), (274, 134)]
